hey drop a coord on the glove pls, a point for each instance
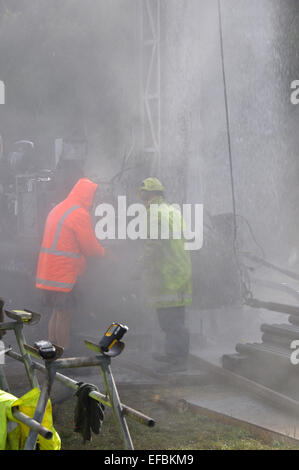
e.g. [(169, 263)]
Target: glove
[(89, 413)]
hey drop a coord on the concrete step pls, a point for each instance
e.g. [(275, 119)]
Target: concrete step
[(264, 371), (275, 352)]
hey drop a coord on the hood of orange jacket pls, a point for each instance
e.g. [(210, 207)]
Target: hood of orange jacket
[(83, 193), (68, 238)]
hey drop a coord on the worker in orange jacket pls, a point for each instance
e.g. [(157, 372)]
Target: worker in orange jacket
[(68, 239)]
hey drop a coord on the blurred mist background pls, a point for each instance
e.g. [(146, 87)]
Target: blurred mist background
[(74, 67)]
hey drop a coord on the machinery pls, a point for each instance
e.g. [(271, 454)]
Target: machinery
[(27, 194)]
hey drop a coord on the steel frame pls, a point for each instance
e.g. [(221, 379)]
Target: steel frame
[(151, 81), (50, 369)]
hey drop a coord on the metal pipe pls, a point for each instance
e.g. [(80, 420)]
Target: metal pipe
[(32, 424), (140, 417), (10, 325), (41, 406), (130, 412), (116, 404), (26, 358), (72, 362)]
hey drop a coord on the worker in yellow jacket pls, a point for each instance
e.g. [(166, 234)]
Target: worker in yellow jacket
[(167, 267)]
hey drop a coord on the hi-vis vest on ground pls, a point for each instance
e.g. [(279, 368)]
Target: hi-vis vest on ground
[(167, 263), (13, 434)]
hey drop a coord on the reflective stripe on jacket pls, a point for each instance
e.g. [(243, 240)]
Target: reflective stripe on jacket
[(68, 239)]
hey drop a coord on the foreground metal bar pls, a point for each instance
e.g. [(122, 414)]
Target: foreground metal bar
[(42, 404), (26, 357), (104, 362), (130, 412), (10, 325), (17, 326), (32, 424), (38, 416), (111, 390), (115, 403), (71, 362)]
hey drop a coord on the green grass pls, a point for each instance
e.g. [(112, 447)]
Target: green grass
[(174, 430)]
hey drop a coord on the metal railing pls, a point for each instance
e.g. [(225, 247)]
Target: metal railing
[(50, 368)]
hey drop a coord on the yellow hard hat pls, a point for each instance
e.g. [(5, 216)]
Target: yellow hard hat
[(152, 184)]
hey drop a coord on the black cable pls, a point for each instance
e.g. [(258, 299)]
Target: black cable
[(228, 124), (245, 284)]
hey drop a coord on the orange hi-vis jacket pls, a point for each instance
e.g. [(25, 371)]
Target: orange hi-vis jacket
[(68, 239)]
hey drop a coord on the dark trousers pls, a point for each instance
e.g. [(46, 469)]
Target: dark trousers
[(177, 338)]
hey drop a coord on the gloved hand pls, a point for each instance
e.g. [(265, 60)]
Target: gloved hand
[(89, 413)]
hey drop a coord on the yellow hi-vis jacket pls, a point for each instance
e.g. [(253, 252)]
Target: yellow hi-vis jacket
[(13, 434), (165, 261)]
